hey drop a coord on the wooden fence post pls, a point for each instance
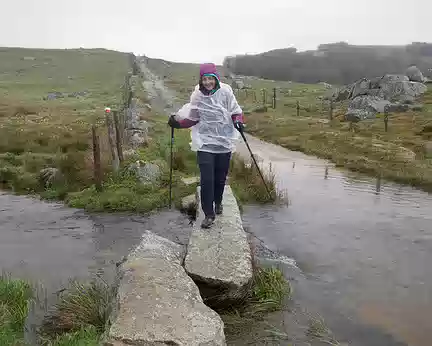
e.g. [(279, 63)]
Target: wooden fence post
[(97, 171), (386, 114), (111, 139), (254, 96), (274, 98), (264, 97), (331, 110), (118, 136), (298, 108), (378, 185)]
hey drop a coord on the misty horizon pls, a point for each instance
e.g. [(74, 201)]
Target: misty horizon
[(182, 32)]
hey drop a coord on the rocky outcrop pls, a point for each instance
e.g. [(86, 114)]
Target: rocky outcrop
[(158, 303), (414, 74), (220, 256), (390, 92), (364, 107), (136, 129)]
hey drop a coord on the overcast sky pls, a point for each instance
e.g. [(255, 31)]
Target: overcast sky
[(208, 30)]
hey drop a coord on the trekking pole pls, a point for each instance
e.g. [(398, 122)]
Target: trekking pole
[(256, 164), (171, 167)]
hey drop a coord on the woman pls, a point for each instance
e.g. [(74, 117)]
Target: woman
[(216, 120)]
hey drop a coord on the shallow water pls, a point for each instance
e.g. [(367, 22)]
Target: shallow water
[(50, 244), (363, 247), (40, 240)]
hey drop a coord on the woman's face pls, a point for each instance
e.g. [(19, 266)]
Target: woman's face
[(209, 82)]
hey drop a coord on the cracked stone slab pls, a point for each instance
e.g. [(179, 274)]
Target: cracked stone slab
[(220, 255), (159, 304)]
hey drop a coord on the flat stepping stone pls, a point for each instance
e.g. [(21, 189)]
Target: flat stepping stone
[(159, 304), (221, 255)]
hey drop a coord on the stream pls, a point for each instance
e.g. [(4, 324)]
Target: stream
[(363, 247), (49, 244)]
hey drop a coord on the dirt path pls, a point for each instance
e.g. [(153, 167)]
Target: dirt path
[(161, 97)]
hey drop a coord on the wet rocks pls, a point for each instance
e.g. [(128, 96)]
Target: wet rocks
[(158, 303), (220, 257)]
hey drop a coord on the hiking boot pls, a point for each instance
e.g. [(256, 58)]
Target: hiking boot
[(207, 222), (218, 209)]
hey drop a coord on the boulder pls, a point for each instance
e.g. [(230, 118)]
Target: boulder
[(146, 172), (361, 87), (402, 91), (189, 202), (368, 97), (138, 139), (158, 303), (365, 107), (389, 87), (414, 74)]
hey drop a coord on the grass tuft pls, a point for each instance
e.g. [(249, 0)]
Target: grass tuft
[(319, 331), (242, 310), (270, 286), (15, 296), (248, 184), (86, 336), (80, 306)]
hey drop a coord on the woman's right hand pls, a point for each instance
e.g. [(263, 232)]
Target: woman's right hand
[(173, 122)]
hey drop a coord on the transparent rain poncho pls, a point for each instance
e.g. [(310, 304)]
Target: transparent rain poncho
[(215, 131)]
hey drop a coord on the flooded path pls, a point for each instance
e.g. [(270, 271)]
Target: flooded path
[(363, 248), (50, 244)]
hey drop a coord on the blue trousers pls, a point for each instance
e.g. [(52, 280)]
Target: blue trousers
[(213, 170)]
